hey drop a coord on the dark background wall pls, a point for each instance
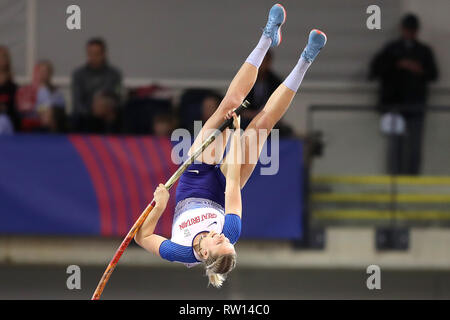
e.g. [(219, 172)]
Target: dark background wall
[(49, 282)]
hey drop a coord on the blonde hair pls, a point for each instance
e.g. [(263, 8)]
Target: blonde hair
[(217, 268)]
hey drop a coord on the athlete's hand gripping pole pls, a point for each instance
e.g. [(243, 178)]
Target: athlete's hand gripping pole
[(112, 264)]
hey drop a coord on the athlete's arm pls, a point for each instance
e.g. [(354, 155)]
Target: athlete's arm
[(145, 236), (233, 202)]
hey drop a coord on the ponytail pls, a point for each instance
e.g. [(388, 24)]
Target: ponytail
[(215, 279), (217, 268)]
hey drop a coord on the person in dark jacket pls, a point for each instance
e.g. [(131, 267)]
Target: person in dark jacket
[(405, 67), (96, 75)]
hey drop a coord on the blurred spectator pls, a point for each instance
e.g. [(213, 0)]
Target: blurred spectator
[(196, 105), (48, 96), (163, 124), (106, 116), (6, 127), (266, 83), (404, 68), (53, 120), (36, 102), (143, 104), (96, 75), (8, 89), (50, 102)]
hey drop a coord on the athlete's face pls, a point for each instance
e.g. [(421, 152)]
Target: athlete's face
[(216, 245)]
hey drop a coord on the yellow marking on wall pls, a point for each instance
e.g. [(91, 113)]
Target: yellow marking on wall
[(380, 198), (383, 179), (380, 215)]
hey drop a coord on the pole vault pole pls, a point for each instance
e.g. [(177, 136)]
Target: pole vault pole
[(112, 264)]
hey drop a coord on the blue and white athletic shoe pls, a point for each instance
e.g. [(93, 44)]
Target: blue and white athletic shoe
[(316, 41), (277, 17)]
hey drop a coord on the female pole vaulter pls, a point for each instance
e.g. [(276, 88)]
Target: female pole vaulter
[(207, 219)]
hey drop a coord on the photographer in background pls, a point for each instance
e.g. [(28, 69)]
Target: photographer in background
[(404, 68)]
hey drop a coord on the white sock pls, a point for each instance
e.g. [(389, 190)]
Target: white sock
[(294, 79), (257, 56)]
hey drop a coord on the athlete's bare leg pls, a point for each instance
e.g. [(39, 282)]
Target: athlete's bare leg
[(276, 107), (236, 93), (239, 87), (259, 128)]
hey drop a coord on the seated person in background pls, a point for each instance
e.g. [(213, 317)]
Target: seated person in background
[(266, 83), (50, 102), (195, 105), (6, 127), (53, 120), (8, 90), (106, 116), (141, 107), (97, 74), (37, 101), (48, 96), (163, 124)]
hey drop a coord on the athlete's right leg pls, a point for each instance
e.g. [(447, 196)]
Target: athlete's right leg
[(239, 87), (236, 93)]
